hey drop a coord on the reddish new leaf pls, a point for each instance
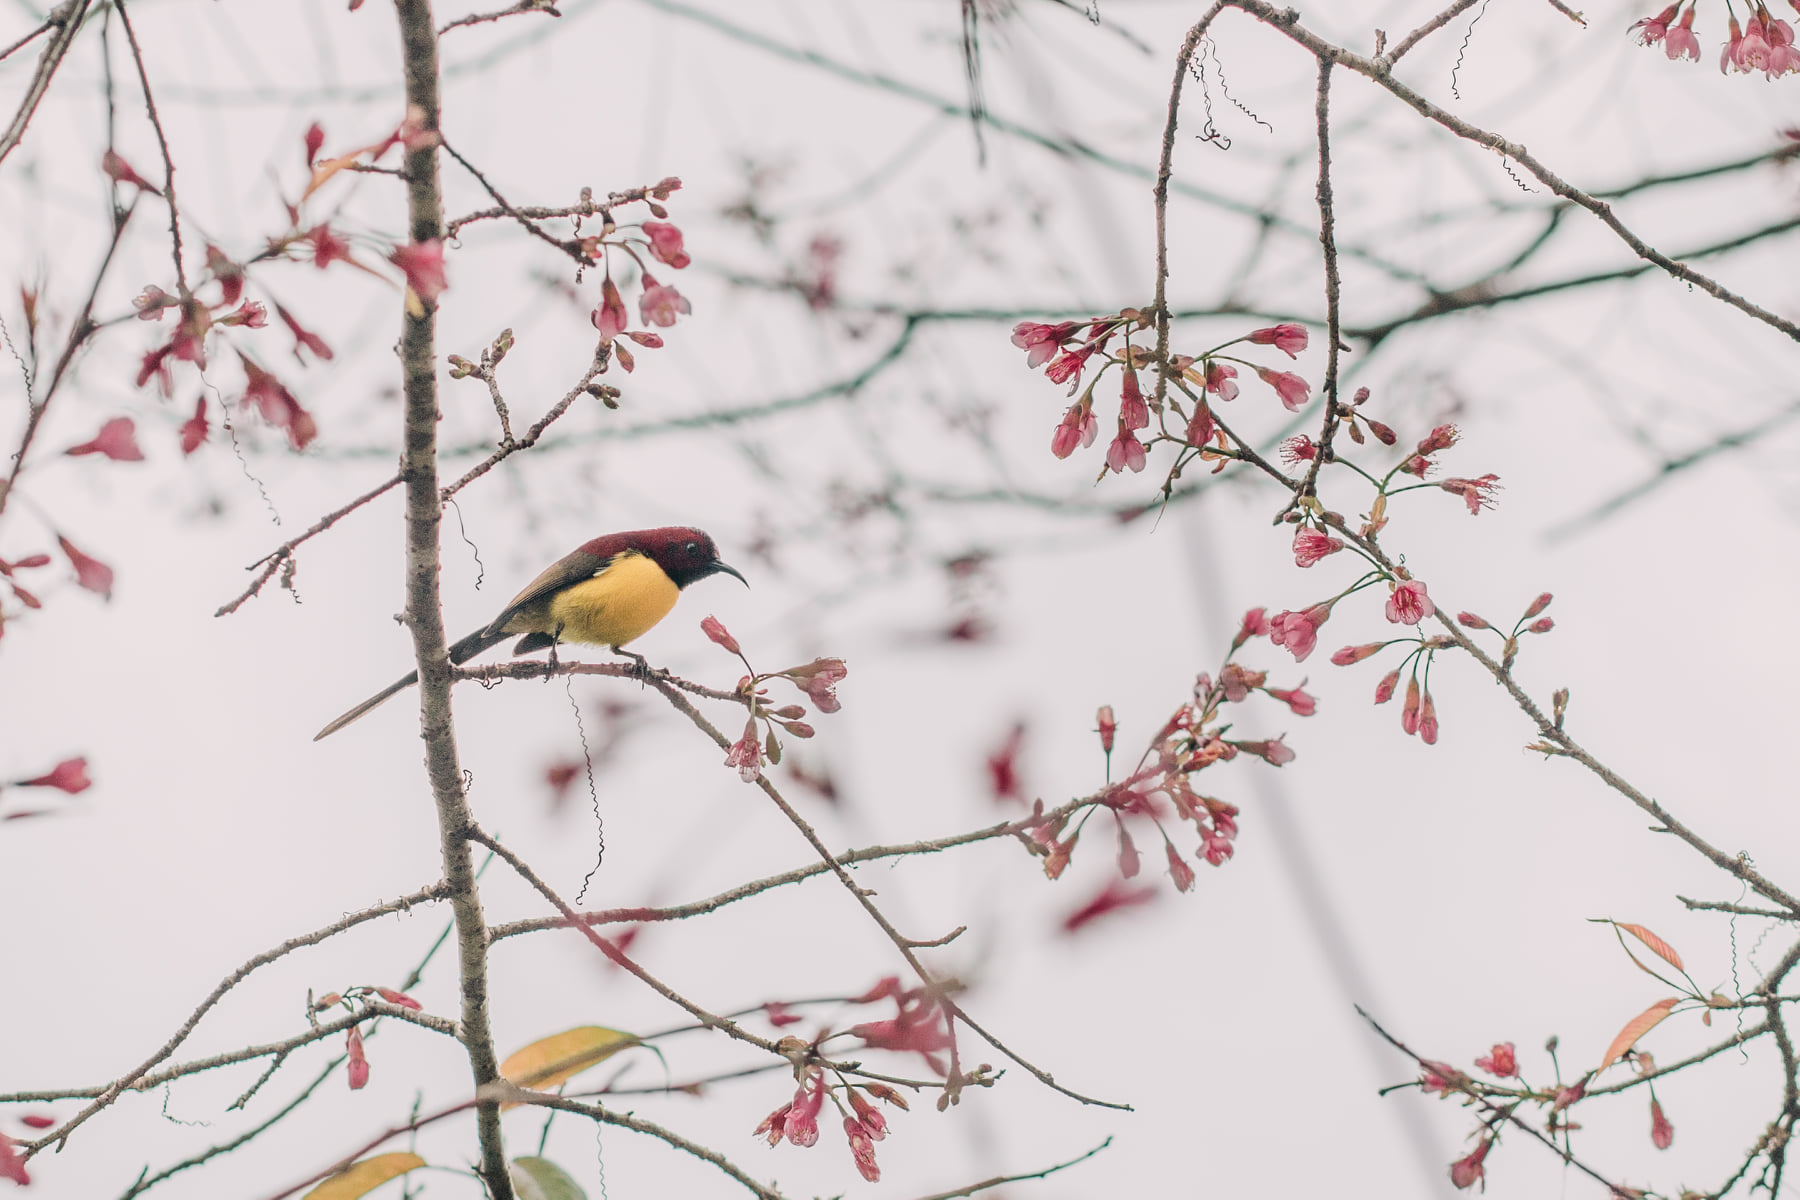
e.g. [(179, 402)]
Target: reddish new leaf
[(1657, 946), (1636, 1028)]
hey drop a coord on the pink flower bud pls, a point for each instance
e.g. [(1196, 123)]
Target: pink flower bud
[(1467, 1172), (1441, 438), (1541, 625), (1537, 606), (1179, 871), (1134, 413), (1470, 621), (1288, 338), (665, 244), (1355, 654), (399, 998), (610, 317), (1384, 691), (1293, 390), (1428, 722), (194, 429), (1107, 727), (1408, 605), (1662, 1134), (1409, 712), (719, 634), (358, 1070)]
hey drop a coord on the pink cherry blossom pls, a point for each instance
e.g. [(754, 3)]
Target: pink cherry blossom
[(1408, 605), (119, 171), (1298, 631), (1200, 426), (1040, 342), (665, 244), (1466, 1172), (1501, 1061), (774, 1126), (90, 572), (1066, 367), (746, 754), (1107, 727), (661, 304), (1134, 413), (12, 1163), (1288, 338), (1215, 846), (1681, 42), (1650, 30), (1078, 427), (193, 430), (1476, 493), (610, 318), (423, 265), (862, 1149), (304, 338), (1296, 698), (69, 775), (117, 440), (1311, 545), (269, 396), (1254, 624), (1125, 452), (1296, 450), (1179, 871), (1274, 751), (1293, 390), (802, 1124), (1221, 380)]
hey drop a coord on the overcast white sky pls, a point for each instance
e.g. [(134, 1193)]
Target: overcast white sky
[(1445, 889)]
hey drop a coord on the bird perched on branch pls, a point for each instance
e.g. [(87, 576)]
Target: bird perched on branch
[(608, 592)]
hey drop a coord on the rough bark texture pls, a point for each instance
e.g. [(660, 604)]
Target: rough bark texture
[(424, 613)]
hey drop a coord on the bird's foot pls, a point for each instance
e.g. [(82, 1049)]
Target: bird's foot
[(641, 670)]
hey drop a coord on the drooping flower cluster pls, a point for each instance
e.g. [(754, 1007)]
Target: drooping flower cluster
[(1763, 43), (1065, 348), (817, 679), (1162, 785)]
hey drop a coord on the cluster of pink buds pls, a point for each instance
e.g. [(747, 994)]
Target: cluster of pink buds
[(797, 1121), (1064, 349), (1764, 43), (659, 304), (817, 679), (1192, 739)]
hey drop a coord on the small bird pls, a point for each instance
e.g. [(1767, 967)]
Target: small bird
[(607, 592)]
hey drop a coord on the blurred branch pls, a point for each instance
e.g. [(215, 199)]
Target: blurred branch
[(67, 19), (1668, 470)]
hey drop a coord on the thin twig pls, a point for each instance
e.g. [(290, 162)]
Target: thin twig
[(999, 1180), (162, 140), (523, 6), (67, 18), (273, 560)]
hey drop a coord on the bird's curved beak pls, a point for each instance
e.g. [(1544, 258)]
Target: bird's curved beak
[(731, 571)]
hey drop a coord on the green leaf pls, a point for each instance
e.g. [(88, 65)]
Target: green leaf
[(540, 1179)]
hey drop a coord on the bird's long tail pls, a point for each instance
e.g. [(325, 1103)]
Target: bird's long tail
[(460, 652)]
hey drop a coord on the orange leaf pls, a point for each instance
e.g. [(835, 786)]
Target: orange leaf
[(1636, 1028), (550, 1061), (1661, 948), (363, 1177)]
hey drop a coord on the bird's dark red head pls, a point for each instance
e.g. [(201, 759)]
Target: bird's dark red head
[(685, 554)]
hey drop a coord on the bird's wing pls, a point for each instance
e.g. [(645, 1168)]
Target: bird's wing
[(565, 572)]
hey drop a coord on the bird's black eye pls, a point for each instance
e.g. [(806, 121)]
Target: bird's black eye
[(693, 549)]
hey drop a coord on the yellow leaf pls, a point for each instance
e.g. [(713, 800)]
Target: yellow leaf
[(1661, 948), (325, 170), (550, 1061), (1636, 1028), (361, 1178)]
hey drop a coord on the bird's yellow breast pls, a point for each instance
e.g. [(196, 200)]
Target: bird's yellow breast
[(617, 605)]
